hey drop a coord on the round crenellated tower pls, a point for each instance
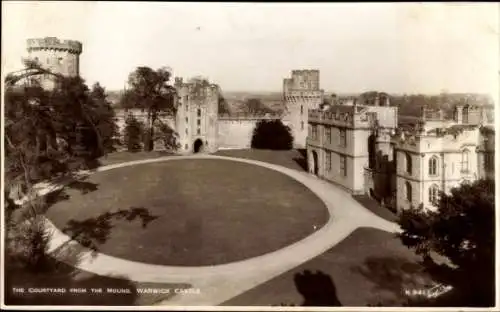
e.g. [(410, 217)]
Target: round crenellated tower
[(59, 56)]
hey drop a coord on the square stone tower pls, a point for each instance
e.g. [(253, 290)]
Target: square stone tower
[(197, 115), (301, 93)]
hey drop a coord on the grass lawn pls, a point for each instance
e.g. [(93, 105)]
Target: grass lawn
[(293, 159), (119, 157), (190, 212), (367, 268)]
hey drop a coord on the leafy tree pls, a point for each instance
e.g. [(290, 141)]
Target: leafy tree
[(272, 134), (49, 133), (254, 106), (462, 229), (149, 90), (106, 121), (167, 136), (133, 134)]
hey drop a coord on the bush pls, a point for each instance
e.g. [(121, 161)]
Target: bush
[(133, 134), (272, 135), (27, 244)]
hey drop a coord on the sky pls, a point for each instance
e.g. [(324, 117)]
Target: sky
[(395, 48)]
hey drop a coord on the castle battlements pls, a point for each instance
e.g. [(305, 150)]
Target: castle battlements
[(53, 43), (344, 116), (249, 117), (452, 138)]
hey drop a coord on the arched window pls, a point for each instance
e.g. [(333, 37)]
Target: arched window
[(465, 161), (408, 163), (433, 166), (408, 191), (433, 193)]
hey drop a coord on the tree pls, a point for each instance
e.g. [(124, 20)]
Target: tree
[(106, 121), (133, 134), (272, 134), (149, 90), (49, 133), (254, 106), (462, 229)]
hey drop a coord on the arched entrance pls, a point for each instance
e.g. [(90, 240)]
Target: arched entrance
[(198, 146), (315, 162)]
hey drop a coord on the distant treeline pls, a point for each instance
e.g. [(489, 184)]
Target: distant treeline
[(408, 104)]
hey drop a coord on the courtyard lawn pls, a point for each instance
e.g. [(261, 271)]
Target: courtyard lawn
[(189, 212), (293, 159), (124, 156), (369, 267)]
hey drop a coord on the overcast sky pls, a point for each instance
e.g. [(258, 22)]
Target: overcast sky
[(412, 48)]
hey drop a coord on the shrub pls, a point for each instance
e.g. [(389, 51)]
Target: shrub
[(272, 135)]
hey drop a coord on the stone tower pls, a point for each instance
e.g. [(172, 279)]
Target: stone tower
[(59, 56), (197, 115), (301, 92)]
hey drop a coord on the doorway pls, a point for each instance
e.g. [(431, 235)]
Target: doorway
[(198, 146), (315, 162)]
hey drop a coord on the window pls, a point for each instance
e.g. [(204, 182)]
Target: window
[(198, 131), (408, 191), (433, 193), (301, 125), (343, 169), (328, 133), (465, 161), (186, 130), (198, 122), (187, 107), (328, 161), (187, 120), (314, 132), (301, 109), (342, 138), (186, 146), (60, 61), (199, 112), (408, 163), (489, 161), (433, 164)]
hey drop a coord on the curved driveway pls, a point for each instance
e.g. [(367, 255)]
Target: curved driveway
[(220, 283)]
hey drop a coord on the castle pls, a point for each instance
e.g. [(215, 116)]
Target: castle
[(200, 127), (405, 163), (363, 147)]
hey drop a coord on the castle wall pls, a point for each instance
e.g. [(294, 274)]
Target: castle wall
[(235, 133)]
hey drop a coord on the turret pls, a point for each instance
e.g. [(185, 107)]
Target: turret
[(59, 56)]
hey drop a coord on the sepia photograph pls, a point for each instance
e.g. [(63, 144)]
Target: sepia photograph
[(249, 156)]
